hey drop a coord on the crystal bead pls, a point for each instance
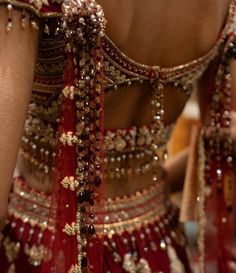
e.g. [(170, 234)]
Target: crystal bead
[(84, 261), (91, 229)]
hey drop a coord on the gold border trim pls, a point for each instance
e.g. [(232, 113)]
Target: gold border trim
[(29, 7)]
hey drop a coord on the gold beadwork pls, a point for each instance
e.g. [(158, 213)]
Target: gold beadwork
[(34, 24), (69, 92), (12, 249), (130, 265), (201, 203), (68, 138), (71, 230), (35, 254), (70, 183), (9, 24), (74, 269)]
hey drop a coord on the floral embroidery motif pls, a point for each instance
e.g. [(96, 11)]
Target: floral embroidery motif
[(35, 254), (72, 229), (12, 249), (70, 183), (38, 3), (130, 265), (68, 138), (74, 269), (69, 92)]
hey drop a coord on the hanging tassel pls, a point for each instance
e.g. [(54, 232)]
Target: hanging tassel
[(46, 28), (23, 19), (33, 23), (9, 19)]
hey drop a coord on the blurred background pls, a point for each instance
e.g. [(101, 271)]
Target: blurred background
[(180, 139)]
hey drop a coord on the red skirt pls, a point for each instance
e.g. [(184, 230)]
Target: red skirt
[(141, 233)]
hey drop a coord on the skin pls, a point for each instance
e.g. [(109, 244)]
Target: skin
[(189, 32), (16, 75)]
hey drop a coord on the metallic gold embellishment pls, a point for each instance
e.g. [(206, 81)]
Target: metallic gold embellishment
[(27, 217), (37, 130), (39, 3), (72, 229), (131, 224), (74, 269), (82, 243), (34, 24), (9, 19), (68, 138), (70, 183), (201, 203), (143, 207), (12, 249), (32, 8), (130, 265), (35, 254), (69, 92)]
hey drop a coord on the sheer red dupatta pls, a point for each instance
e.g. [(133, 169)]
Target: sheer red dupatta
[(216, 176), (79, 168)]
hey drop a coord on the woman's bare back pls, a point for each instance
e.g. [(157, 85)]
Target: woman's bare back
[(154, 32)]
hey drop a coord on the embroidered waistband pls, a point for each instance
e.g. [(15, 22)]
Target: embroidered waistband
[(113, 216)]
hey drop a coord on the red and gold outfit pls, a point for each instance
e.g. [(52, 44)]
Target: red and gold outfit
[(72, 230)]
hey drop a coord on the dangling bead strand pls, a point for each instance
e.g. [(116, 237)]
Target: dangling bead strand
[(23, 19), (9, 18)]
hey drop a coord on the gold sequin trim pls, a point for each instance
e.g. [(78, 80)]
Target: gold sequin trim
[(12, 249), (68, 138), (70, 183), (35, 254), (74, 269), (71, 230), (201, 203), (69, 92), (130, 265), (30, 7)]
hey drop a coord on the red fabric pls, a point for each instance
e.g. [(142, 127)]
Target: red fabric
[(220, 223), (64, 248), (158, 260)]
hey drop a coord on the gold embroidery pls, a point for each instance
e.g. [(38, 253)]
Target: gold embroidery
[(71, 229), (142, 208), (12, 249), (68, 138), (70, 183), (131, 224), (35, 254), (49, 113), (130, 265), (51, 67), (74, 269), (69, 92), (201, 202), (32, 8)]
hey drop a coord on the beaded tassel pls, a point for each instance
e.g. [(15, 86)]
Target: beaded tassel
[(216, 173), (23, 19), (33, 22), (83, 24), (9, 19)]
